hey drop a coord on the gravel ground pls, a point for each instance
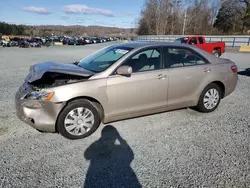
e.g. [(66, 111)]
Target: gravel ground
[(181, 148)]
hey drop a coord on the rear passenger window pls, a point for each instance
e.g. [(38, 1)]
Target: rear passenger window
[(179, 57)]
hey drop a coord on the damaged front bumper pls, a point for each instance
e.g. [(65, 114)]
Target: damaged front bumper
[(41, 115)]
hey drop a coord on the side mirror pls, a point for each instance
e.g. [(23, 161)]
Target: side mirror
[(124, 70)]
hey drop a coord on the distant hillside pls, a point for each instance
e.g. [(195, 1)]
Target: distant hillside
[(77, 30)]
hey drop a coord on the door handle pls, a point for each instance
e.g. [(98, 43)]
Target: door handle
[(207, 69), (161, 77)]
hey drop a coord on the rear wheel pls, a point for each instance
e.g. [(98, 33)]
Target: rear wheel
[(210, 98), (79, 119), (217, 53)]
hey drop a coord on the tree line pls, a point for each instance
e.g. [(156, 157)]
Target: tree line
[(9, 29), (166, 17), (60, 30)]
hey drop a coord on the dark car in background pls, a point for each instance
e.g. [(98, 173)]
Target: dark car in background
[(72, 41), (24, 43), (35, 42)]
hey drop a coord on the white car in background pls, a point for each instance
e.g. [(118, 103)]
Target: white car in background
[(87, 41)]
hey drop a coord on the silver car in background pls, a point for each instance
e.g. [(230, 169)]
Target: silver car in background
[(122, 81)]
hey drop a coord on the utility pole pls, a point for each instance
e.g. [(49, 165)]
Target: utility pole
[(173, 11), (184, 23)]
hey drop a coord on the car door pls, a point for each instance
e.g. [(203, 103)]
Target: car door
[(201, 44), (144, 90), (188, 74), (193, 41)]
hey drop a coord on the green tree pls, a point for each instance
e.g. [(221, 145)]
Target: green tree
[(8, 29), (246, 14), (225, 18)]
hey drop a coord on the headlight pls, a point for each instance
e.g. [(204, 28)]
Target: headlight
[(39, 95)]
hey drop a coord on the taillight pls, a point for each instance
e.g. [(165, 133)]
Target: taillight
[(234, 68)]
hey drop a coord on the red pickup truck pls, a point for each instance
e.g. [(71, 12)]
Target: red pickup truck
[(216, 48)]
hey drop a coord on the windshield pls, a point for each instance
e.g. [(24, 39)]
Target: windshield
[(182, 40), (103, 59)]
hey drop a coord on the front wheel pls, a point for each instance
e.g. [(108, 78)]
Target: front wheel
[(79, 119), (210, 98)]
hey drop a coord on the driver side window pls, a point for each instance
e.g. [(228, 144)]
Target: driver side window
[(145, 60), (193, 41)]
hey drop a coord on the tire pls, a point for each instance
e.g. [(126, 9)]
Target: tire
[(202, 106), (217, 53), (79, 121)]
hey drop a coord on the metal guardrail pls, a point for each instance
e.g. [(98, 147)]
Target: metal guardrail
[(230, 40)]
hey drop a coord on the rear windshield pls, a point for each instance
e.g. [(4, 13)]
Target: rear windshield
[(182, 40)]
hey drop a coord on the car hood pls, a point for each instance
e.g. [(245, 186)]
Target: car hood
[(37, 71)]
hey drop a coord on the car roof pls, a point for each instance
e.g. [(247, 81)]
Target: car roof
[(151, 44), (140, 44)]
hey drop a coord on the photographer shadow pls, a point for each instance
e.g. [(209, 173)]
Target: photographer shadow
[(110, 162)]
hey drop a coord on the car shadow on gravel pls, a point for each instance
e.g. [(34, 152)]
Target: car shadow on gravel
[(245, 72), (110, 158)]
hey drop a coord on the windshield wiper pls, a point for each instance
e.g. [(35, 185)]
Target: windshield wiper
[(76, 63)]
